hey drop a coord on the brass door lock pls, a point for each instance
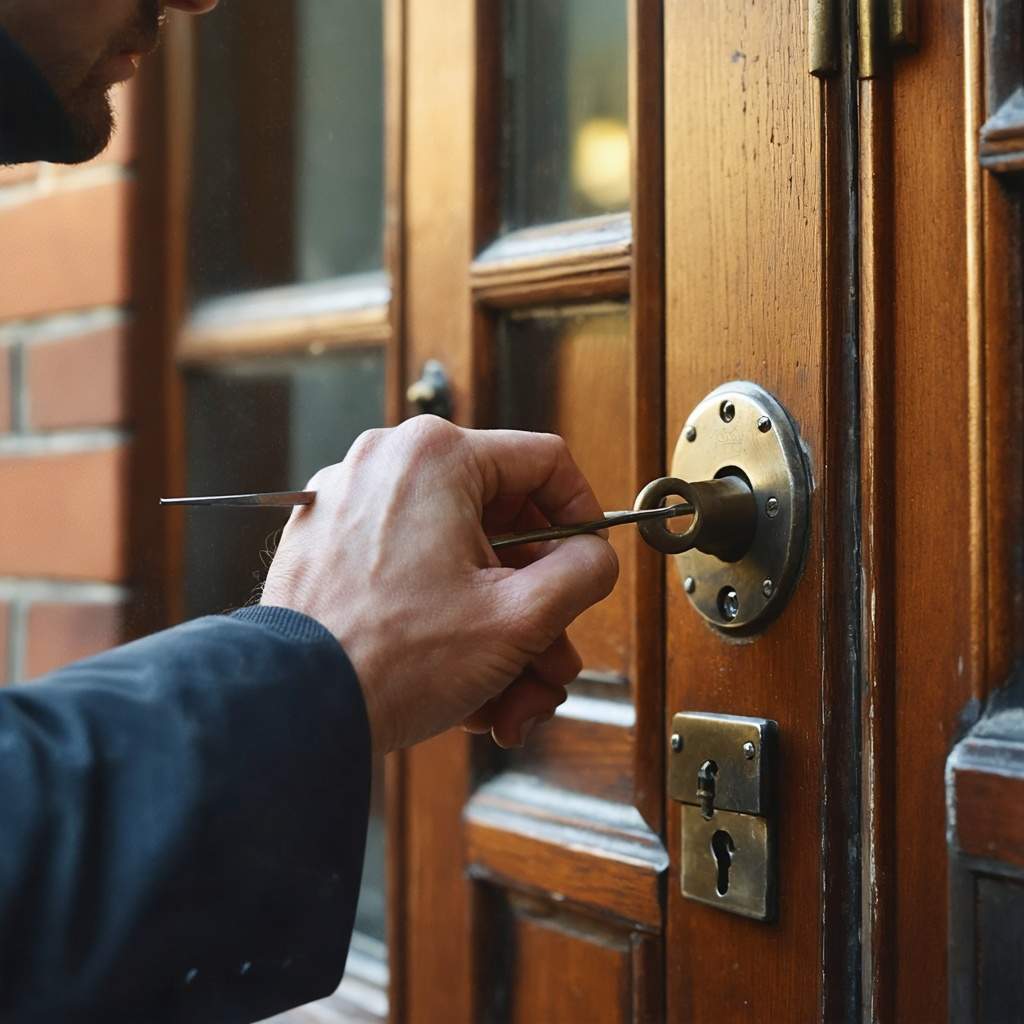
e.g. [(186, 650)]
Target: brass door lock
[(743, 551), (721, 768)]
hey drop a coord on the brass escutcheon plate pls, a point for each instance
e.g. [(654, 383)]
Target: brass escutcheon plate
[(741, 430)]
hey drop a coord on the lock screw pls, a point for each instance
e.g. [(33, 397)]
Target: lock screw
[(727, 411), (691, 434), (689, 584), (749, 750), (771, 508), (676, 742), (768, 588), (764, 424)]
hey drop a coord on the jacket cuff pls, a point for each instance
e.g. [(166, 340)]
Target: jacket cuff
[(290, 624)]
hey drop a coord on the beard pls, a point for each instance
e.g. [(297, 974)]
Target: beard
[(80, 125)]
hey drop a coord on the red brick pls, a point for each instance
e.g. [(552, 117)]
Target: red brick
[(5, 390), (63, 516), (76, 381), (59, 634), (65, 250), (5, 625), (18, 174)]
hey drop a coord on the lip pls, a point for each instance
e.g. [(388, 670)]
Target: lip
[(119, 68)]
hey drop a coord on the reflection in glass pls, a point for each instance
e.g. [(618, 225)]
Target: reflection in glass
[(288, 159), (269, 425), (568, 373), (567, 147)]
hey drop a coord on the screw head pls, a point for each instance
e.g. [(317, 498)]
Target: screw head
[(727, 411), (691, 434), (689, 584), (749, 750), (768, 588), (764, 424), (676, 742), (771, 508)]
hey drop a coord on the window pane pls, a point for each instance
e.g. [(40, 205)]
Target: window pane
[(567, 135), (288, 158), (268, 425), (568, 373)]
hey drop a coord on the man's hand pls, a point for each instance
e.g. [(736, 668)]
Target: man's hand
[(393, 559)]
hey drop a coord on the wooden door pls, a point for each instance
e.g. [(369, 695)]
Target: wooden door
[(532, 880), (831, 237)]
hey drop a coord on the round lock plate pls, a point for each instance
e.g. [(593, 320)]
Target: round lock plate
[(741, 430)]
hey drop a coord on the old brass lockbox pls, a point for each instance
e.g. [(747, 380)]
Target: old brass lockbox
[(722, 770)]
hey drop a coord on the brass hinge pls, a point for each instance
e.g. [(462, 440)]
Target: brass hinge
[(882, 26)]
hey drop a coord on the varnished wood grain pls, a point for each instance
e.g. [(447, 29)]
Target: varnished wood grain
[(588, 748), (310, 318), (937, 643), (747, 277), (595, 853), (557, 251), (593, 981), (437, 934), (990, 815), (877, 709), (647, 395)]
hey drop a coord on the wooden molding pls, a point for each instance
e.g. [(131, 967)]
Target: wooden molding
[(595, 853), (1002, 137), (331, 314), (576, 260)]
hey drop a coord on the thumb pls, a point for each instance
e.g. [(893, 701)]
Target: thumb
[(575, 574)]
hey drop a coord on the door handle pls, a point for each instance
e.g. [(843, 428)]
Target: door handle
[(742, 554)]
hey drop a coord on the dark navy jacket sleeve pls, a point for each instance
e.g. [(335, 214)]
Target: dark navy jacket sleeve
[(183, 824)]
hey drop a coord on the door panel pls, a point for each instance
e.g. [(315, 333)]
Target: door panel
[(751, 268), (542, 862)]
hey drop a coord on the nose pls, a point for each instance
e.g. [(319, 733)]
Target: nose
[(192, 6)]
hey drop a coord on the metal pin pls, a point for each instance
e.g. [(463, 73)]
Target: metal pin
[(287, 499)]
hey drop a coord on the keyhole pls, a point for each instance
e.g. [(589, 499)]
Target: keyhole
[(722, 848)]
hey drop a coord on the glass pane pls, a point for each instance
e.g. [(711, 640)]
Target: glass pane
[(568, 373), (288, 157), (567, 133), (270, 425)]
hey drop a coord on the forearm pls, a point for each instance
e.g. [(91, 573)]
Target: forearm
[(184, 826)]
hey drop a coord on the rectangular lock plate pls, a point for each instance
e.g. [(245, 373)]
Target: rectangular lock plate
[(728, 862), (743, 751), (722, 769)]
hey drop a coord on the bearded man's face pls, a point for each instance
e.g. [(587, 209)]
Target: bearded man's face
[(83, 48)]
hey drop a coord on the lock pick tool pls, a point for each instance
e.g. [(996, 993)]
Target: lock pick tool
[(289, 499)]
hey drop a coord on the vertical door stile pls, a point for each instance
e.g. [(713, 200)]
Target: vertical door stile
[(759, 274), (438, 944)]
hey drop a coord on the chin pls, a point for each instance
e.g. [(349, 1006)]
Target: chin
[(90, 125)]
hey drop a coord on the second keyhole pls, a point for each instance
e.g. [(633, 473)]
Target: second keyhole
[(722, 849)]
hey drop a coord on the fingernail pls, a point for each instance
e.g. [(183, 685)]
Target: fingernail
[(526, 728)]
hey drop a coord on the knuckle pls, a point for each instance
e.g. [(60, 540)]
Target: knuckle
[(431, 434), (606, 567), (365, 444)]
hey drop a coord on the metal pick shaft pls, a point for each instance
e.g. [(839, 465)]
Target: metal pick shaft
[(288, 499)]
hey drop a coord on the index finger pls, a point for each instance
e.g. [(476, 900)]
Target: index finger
[(516, 462)]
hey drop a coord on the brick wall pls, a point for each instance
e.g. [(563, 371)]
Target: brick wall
[(65, 280)]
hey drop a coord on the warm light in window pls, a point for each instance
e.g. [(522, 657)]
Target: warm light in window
[(600, 164)]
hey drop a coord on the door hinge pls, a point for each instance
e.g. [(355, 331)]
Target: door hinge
[(882, 27)]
